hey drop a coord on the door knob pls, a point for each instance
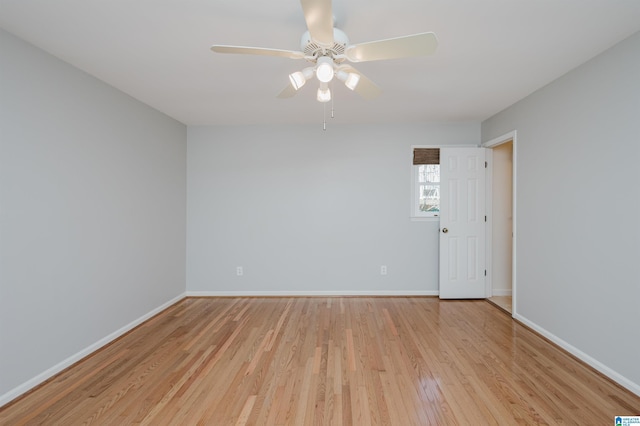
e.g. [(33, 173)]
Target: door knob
[(445, 230)]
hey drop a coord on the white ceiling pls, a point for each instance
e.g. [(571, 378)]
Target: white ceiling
[(491, 53)]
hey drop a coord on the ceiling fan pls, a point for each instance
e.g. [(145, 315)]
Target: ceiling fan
[(328, 49)]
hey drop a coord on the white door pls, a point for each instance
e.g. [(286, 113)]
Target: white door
[(462, 223)]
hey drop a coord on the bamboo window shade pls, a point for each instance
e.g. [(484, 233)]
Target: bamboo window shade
[(426, 156)]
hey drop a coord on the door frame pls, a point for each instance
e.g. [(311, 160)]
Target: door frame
[(507, 137)]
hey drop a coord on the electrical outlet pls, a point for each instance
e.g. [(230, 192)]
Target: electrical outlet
[(383, 270), (239, 271)]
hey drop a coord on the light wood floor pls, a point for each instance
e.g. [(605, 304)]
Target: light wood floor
[(351, 361), (502, 302)]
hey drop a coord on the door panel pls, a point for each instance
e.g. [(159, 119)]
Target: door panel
[(462, 223)]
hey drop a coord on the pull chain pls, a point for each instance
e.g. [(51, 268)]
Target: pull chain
[(324, 116), (333, 96)]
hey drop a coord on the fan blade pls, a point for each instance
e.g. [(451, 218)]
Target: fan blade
[(319, 18), (400, 47), (257, 51), (287, 92), (365, 88)]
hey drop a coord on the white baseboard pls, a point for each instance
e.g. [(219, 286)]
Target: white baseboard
[(45, 375), (310, 293), (613, 375), (501, 292)]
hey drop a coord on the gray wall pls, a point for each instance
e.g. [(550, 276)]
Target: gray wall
[(308, 211), (92, 225), (578, 232)]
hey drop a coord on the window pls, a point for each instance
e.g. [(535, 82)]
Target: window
[(426, 183)]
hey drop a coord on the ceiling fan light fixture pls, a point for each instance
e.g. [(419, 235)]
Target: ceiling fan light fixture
[(324, 94), (327, 47), (350, 80), (297, 80), (324, 70)]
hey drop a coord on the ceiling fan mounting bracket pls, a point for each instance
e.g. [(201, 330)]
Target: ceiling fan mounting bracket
[(314, 50)]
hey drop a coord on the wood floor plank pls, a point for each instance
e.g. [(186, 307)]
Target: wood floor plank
[(326, 361)]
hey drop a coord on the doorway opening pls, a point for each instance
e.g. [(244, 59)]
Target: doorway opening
[(501, 190)]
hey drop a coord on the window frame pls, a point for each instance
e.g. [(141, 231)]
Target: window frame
[(416, 214)]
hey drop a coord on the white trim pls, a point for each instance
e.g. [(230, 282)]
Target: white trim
[(612, 374), (514, 268), (510, 136), (488, 227), (500, 139), (47, 374), (289, 293)]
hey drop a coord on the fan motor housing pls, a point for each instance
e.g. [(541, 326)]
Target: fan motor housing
[(315, 50)]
